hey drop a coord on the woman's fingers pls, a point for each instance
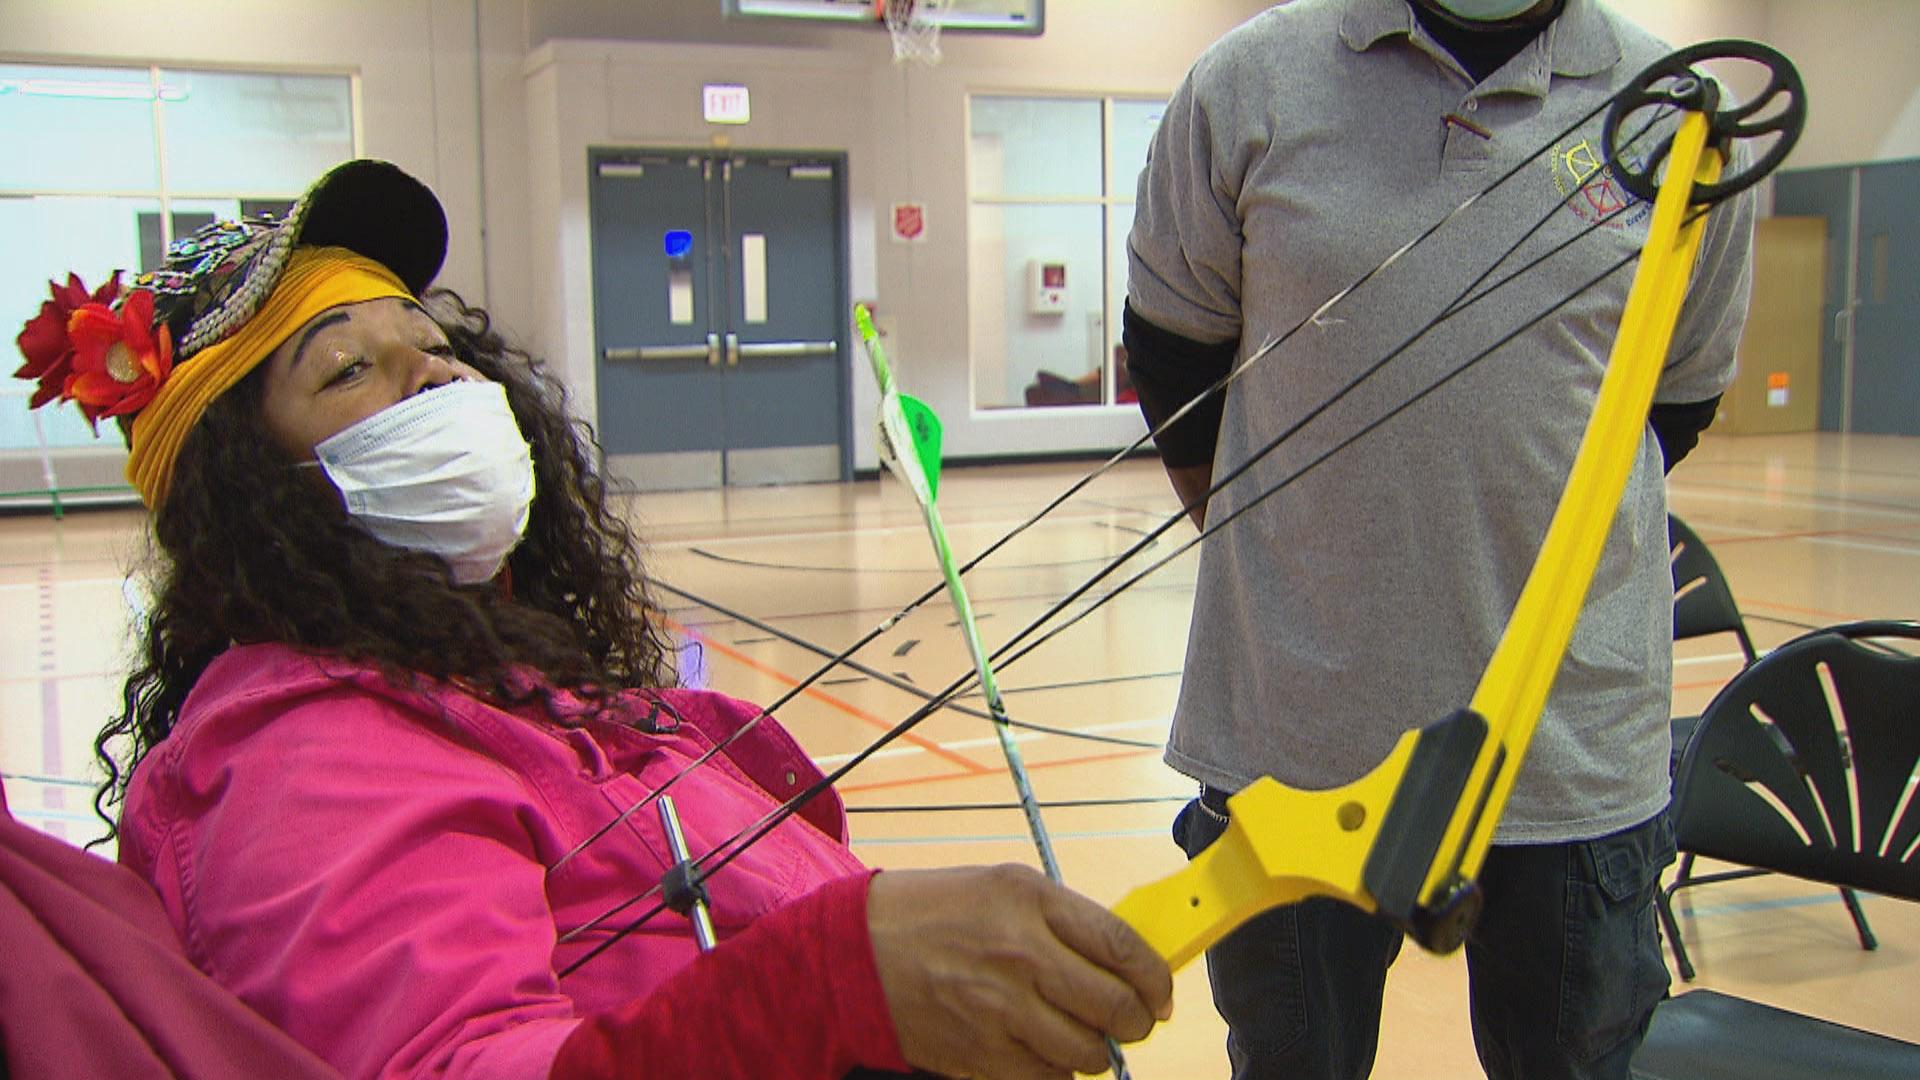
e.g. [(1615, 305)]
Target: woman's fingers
[(995, 972), (1124, 980)]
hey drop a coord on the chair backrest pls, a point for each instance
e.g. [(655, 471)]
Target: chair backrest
[(1702, 602), (1808, 762)]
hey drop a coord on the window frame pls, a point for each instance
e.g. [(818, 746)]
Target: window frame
[(88, 463), (1115, 191)]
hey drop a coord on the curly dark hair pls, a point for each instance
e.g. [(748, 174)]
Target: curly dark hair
[(246, 553)]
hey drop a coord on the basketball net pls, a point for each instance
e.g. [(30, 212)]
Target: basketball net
[(915, 32)]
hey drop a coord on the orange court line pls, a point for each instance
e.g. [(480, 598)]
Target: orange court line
[(877, 785), (1818, 612), (1815, 534), (972, 767)]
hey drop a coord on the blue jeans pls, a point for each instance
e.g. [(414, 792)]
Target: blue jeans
[(1564, 965)]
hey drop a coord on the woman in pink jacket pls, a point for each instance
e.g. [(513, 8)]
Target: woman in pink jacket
[(400, 671)]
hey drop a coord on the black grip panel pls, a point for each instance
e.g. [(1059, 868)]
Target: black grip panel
[(1422, 806)]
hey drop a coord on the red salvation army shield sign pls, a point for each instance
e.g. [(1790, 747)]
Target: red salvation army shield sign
[(909, 222)]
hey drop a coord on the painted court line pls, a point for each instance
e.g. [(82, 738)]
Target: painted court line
[(972, 767), (1019, 736), (916, 528), (1787, 502), (1032, 767), (1861, 545), (1716, 658), (992, 838), (1831, 896)]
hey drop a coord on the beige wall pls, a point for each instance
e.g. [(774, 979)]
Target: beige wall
[(1861, 63), (903, 131), (465, 94)]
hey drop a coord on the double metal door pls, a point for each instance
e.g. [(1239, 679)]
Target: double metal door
[(1870, 370), (719, 291)]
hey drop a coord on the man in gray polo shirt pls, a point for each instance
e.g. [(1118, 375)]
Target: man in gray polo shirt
[(1365, 600)]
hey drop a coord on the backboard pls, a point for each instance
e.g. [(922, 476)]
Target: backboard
[(997, 16)]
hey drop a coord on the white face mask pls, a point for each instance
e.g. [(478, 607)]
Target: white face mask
[(446, 471)]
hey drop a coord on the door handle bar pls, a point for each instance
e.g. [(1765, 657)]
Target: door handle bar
[(789, 348), (656, 352)]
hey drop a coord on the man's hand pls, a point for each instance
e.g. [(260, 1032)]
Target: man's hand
[(997, 973)]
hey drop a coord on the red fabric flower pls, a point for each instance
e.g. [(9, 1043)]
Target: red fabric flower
[(119, 359), (44, 342)]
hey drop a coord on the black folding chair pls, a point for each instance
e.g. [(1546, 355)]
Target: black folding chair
[(1702, 601), (1804, 764), (1703, 605)]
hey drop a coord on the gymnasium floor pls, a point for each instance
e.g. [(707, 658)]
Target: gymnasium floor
[(1811, 530)]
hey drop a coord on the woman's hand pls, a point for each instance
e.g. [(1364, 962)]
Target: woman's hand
[(995, 972)]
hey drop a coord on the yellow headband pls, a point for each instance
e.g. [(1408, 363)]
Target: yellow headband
[(314, 280)]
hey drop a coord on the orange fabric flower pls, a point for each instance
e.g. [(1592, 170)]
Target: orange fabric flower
[(119, 358), (44, 341)]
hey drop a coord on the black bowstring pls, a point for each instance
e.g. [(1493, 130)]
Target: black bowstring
[(724, 853), (1309, 466), (1219, 387), (728, 850), (1459, 305)]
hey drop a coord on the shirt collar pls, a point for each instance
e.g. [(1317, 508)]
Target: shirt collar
[(1580, 42)]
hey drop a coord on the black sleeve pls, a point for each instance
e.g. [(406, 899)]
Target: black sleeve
[(1168, 371), (1678, 427)]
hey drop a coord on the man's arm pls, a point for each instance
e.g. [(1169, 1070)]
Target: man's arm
[(1678, 427), (1182, 323), (1169, 371)]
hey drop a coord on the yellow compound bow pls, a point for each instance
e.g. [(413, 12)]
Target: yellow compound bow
[(1407, 839)]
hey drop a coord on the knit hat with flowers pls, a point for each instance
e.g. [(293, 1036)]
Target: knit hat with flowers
[(155, 354)]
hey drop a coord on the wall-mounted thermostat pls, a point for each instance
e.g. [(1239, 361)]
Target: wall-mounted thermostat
[(1046, 287)]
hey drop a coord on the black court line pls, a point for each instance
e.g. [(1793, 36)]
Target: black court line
[(890, 610), (900, 681), (918, 571), (1075, 684), (1065, 804)]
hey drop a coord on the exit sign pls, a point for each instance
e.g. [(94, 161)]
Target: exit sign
[(724, 103)]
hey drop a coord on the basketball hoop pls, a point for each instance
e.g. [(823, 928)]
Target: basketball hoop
[(914, 28)]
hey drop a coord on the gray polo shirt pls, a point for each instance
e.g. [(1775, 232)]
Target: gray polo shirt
[(1365, 600)]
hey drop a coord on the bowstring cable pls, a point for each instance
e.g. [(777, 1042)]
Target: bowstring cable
[(1309, 466), (1218, 387), (724, 853)]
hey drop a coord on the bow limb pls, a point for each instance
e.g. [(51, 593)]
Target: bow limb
[(1513, 689), (1407, 839)]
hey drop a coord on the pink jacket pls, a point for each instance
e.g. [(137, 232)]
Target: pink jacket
[(366, 866), (94, 985)]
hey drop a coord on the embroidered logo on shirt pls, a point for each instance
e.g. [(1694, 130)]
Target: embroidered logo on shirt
[(1588, 189)]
